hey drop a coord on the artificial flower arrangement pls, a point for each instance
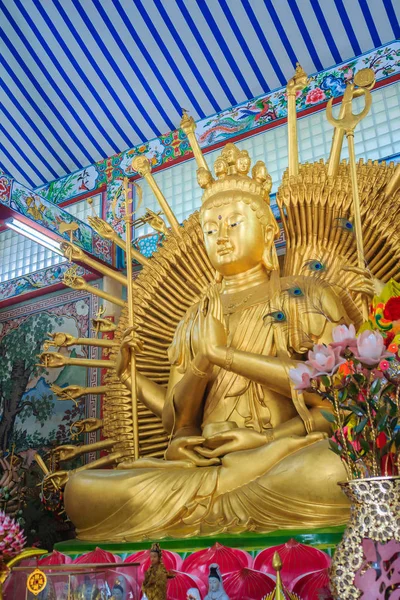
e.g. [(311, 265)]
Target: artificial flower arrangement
[(359, 375), (12, 540)]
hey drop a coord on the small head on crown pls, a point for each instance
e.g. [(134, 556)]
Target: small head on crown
[(232, 177)]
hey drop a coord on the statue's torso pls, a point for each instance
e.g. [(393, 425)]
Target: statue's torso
[(250, 327), (254, 325)]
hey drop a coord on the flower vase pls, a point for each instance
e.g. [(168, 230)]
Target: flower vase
[(366, 563)]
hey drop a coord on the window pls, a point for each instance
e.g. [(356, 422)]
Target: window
[(20, 256)]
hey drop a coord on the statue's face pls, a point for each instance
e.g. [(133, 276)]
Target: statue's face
[(243, 164), (230, 153), (154, 558), (220, 167), (234, 238), (213, 584)]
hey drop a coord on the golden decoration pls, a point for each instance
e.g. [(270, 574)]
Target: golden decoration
[(231, 451), (7, 567), (347, 122), (68, 228), (36, 582), (294, 85), (280, 592)]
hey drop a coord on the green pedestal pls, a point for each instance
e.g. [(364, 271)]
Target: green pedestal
[(324, 539)]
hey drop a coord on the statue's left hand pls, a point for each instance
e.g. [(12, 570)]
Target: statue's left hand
[(187, 449), (233, 440)]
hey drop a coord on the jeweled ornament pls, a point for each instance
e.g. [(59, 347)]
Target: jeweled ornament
[(36, 582)]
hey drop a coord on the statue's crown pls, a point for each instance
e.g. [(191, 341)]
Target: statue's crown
[(231, 169)]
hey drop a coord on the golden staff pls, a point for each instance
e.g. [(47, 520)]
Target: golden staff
[(297, 83), (347, 122), (363, 79), (129, 277)]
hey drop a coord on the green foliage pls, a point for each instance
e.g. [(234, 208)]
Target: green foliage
[(25, 441), (19, 350), (41, 408), (23, 344)]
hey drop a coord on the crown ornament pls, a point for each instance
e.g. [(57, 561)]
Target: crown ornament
[(156, 548), (231, 170)]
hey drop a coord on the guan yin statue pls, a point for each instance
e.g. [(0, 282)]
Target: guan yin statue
[(204, 430)]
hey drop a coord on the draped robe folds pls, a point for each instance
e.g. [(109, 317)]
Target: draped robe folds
[(299, 490), (231, 397)]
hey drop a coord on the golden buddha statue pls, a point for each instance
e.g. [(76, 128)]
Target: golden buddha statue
[(247, 451), (216, 330)]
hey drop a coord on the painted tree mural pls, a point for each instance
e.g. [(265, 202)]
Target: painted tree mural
[(18, 363)]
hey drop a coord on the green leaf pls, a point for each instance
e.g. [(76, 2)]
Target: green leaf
[(359, 378), (376, 386), (328, 416), (357, 410), (352, 389), (325, 380), (364, 445), (382, 423), (343, 394), (360, 426), (335, 447)]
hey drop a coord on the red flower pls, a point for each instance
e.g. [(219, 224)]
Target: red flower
[(381, 439), (315, 96), (391, 312)]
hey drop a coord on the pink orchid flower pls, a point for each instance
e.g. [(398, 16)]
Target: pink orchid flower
[(371, 348), (325, 359), (301, 376)]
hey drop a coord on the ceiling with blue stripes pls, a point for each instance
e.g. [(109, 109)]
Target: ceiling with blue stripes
[(81, 80)]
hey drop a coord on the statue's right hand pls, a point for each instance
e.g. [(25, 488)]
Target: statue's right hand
[(71, 392), (52, 359), (59, 478), (184, 448), (102, 227), (130, 341), (66, 452)]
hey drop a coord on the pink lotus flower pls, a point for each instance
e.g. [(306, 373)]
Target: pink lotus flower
[(344, 337), (324, 359), (12, 540), (301, 376), (371, 348)]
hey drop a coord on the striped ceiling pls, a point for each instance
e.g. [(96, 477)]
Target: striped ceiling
[(81, 80)]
